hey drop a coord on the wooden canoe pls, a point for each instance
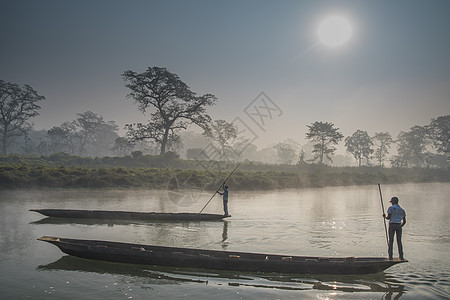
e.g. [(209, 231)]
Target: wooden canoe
[(218, 260), (127, 215)]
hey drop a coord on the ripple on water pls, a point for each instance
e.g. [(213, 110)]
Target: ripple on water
[(320, 222), (427, 284)]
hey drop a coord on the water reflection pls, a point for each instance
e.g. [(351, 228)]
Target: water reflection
[(225, 234), (70, 263), (109, 222), (159, 230), (341, 221), (143, 275), (69, 221), (390, 294)]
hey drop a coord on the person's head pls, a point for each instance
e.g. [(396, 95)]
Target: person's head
[(226, 187), (394, 200)]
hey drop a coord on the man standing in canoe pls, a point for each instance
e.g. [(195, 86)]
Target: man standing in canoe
[(397, 219), (225, 198)]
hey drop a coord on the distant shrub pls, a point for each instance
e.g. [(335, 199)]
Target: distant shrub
[(169, 171)]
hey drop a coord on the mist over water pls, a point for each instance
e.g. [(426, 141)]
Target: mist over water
[(341, 221)]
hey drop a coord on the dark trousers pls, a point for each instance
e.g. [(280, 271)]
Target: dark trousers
[(225, 207), (395, 229)]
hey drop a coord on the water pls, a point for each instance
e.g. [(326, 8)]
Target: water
[(342, 221)]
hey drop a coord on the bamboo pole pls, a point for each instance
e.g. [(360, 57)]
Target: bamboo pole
[(384, 219), (219, 187)]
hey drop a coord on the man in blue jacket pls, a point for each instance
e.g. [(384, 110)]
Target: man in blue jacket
[(225, 198), (397, 219)]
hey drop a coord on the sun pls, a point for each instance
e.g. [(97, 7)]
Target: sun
[(334, 31)]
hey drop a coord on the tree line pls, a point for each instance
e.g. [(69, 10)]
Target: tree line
[(173, 107), (421, 146)]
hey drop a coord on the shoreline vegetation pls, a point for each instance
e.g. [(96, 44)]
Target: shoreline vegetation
[(166, 172)]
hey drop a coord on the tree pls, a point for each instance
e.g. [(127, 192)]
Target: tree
[(301, 158), (222, 134), (412, 147), (122, 146), (104, 138), (287, 151), (17, 106), (174, 106), (146, 147), (154, 130), (58, 137), (360, 145), (88, 122), (382, 141), (70, 142), (28, 144), (194, 153), (439, 131), (324, 136), (94, 132)]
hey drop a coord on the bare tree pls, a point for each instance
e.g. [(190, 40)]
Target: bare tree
[(174, 106), (17, 106)]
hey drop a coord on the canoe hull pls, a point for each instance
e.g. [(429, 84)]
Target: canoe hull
[(126, 215), (218, 260)]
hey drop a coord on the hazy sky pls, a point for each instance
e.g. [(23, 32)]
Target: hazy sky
[(392, 74)]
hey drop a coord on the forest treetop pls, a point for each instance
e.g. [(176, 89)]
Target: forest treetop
[(171, 107)]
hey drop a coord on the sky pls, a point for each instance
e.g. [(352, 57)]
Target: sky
[(393, 73)]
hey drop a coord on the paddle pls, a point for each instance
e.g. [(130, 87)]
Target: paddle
[(382, 208), (219, 187)]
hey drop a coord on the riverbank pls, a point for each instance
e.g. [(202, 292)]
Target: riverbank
[(14, 176)]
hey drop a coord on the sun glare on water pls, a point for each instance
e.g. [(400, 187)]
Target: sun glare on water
[(334, 31)]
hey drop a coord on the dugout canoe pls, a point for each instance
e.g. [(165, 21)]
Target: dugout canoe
[(127, 215), (218, 260)]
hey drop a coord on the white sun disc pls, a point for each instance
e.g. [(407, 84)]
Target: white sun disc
[(335, 31)]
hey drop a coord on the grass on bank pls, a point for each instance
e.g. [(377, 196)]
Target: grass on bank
[(65, 171)]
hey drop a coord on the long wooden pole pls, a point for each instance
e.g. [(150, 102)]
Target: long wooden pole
[(219, 187), (384, 219)]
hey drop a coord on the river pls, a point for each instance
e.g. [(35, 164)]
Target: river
[(338, 221)]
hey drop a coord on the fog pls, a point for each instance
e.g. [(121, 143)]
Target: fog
[(390, 75)]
